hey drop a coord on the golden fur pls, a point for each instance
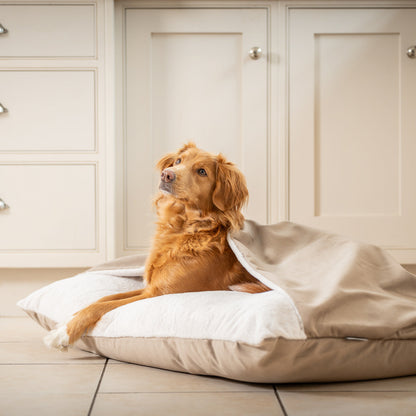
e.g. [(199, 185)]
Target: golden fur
[(200, 201)]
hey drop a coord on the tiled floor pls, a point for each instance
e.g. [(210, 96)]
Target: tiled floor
[(36, 381)]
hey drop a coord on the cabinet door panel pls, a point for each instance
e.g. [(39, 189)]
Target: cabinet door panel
[(188, 76), (51, 207), (352, 147), (47, 30), (47, 110)]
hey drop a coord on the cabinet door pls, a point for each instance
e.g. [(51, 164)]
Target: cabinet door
[(52, 212), (47, 30), (188, 76), (352, 127), (52, 110)]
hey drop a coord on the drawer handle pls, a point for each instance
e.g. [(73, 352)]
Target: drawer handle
[(255, 53), (3, 205), (3, 109), (3, 30)]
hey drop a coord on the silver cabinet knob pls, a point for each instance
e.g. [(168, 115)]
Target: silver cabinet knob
[(3, 205), (3, 30), (3, 109), (411, 52), (255, 53)]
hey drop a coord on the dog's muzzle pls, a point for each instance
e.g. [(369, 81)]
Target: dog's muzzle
[(167, 178)]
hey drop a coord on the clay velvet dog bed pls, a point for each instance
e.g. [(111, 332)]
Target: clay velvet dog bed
[(340, 310)]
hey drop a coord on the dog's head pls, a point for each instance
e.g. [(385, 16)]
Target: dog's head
[(206, 182)]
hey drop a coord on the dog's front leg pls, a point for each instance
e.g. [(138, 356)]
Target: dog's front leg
[(123, 295), (66, 334)]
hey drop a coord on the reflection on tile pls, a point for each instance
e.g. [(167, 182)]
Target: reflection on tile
[(20, 329), (389, 384), (37, 353), (349, 403), (131, 378), (180, 404)]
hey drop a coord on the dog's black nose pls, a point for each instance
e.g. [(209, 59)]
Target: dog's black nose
[(168, 176)]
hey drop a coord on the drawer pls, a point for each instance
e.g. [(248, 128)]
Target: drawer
[(52, 207), (47, 110), (47, 31)]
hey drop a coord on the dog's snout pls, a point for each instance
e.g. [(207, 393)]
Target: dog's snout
[(168, 176)]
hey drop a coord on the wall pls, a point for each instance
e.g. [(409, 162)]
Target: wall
[(15, 284)]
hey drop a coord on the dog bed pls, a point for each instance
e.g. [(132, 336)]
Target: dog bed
[(340, 310)]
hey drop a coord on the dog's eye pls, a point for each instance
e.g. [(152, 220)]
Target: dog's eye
[(178, 161), (202, 172)]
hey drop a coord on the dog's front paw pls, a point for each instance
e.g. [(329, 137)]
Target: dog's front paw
[(58, 338)]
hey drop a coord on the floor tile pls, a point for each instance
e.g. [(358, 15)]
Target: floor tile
[(64, 390), (389, 384), (20, 329), (131, 378), (45, 404), (54, 379), (37, 353), (184, 404), (349, 403)]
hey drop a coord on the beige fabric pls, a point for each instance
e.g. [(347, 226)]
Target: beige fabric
[(341, 288), (274, 361), (122, 263)]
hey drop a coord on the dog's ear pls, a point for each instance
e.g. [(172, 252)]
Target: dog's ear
[(230, 192), (166, 161)]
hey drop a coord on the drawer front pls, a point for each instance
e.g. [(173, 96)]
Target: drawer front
[(52, 207), (47, 31), (47, 110)]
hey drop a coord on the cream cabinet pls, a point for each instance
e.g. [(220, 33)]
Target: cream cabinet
[(352, 129), (323, 124), (52, 134)]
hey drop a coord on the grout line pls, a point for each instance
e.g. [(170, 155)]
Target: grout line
[(16, 342), (53, 363), (184, 392), (98, 387), (280, 401)]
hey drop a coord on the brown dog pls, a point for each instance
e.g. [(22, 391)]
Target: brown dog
[(200, 201)]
